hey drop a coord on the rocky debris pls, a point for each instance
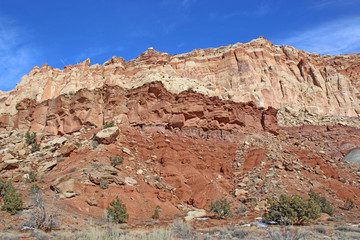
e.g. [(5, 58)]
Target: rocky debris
[(288, 117), (107, 135)]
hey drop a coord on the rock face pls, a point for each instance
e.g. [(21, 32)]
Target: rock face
[(258, 71), (150, 105)]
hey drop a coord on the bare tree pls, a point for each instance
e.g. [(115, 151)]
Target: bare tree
[(39, 217)]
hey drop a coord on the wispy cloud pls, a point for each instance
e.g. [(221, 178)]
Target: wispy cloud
[(187, 3), (335, 37), (261, 9), (321, 4), (17, 56), (179, 3)]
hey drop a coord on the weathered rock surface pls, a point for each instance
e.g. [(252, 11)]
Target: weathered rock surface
[(150, 105), (107, 135), (257, 71)]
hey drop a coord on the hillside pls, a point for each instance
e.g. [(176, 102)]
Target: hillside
[(246, 122)]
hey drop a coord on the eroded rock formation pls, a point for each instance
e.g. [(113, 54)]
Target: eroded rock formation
[(258, 71)]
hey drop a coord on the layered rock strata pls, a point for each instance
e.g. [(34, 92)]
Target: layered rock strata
[(258, 71)]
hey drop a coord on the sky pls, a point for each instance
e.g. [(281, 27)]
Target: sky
[(65, 32)]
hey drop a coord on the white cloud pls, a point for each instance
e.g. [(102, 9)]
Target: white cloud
[(16, 56), (335, 37)]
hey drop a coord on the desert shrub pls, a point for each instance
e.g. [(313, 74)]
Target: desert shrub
[(12, 201), (34, 189), (40, 217), (221, 208), (181, 229), (286, 234), (108, 125), (319, 230), (95, 144), (292, 210), (5, 186), (349, 204), (31, 177), (160, 234), (30, 138), (117, 211), (156, 214), (116, 160), (241, 211), (325, 205), (35, 147), (239, 234), (104, 184)]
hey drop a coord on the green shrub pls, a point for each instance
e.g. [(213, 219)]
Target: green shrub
[(108, 125), (104, 184), (156, 214), (5, 186), (325, 205), (292, 210), (12, 201), (349, 204), (95, 144), (117, 211), (221, 208), (116, 160), (30, 138), (31, 177), (35, 147)]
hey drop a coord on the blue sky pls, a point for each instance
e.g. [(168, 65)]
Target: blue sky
[(67, 32)]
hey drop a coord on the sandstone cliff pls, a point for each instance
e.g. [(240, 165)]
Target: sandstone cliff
[(257, 71)]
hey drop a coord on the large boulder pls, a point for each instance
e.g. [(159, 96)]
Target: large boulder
[(108, 173), (107, 135)]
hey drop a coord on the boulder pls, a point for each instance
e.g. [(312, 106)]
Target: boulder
[(67, 188), (126, 150), (9, 164), (106, 173), (197, 213), (107, 135), (92, 201), (65, 150), (47, 167)]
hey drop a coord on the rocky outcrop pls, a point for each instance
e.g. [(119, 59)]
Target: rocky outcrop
[(258, 71), (150, 105)]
